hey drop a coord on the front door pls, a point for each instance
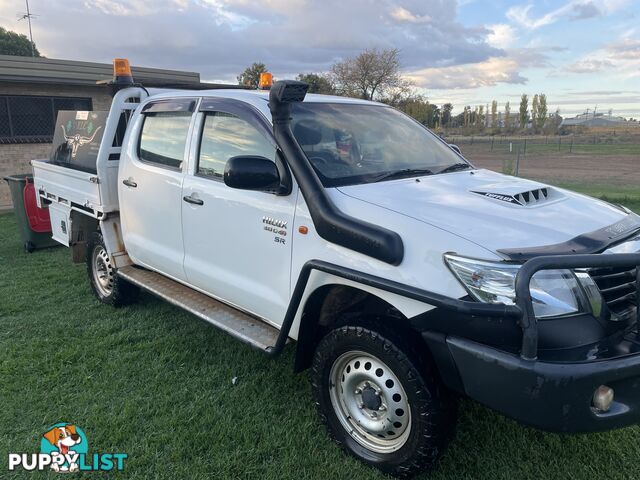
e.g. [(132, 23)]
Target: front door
[(237, 242), (150, 187)]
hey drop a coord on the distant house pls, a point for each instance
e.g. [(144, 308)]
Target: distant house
[(587, 119)]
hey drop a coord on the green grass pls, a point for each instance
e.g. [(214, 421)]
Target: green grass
[(623, 195), (154, 382), (600, 149)]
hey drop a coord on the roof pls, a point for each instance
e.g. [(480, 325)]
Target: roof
[(256, 98), (69, 72)]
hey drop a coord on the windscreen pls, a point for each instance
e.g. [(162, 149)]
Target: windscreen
[(349, 144)]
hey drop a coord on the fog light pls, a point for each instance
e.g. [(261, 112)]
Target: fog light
[(602, 398)]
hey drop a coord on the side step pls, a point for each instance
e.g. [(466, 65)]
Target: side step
[(242, 326)]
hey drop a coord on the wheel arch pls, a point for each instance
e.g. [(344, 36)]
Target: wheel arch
[(335, 301)]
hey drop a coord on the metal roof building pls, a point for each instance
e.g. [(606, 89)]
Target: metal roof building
[(33, 90)]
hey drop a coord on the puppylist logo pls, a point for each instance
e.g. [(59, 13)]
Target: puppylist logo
[(64, 448)]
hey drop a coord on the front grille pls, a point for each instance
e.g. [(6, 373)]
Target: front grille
[(618, 288)]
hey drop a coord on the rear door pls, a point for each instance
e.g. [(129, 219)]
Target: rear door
[(150, 186), (237, 242)]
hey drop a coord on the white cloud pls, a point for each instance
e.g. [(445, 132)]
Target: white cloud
[(501, 35), (483, 74), (622, 56), (488, 73), (219, 38), (588, 65), (403, 15), (573, 10)]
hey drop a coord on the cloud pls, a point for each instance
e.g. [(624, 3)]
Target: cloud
[(488, 73), (574, 10), (219, 38), (588, 66), (501, 35), (403, 15), (623, 56)]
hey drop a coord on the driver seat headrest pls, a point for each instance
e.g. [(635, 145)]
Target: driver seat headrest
[(308, 132)]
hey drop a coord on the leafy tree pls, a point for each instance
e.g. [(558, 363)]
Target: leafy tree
[(447, 108), (534, 112), (507, 115), (318, 83), (251, 75), (494, 114), (541, 116), (371, 73), (524, 110), (12, 43)]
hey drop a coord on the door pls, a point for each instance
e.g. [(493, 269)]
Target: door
[(150, 186), (237, 242)]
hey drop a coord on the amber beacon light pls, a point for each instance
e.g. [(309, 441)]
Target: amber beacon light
[(266, 80), (122, 71)]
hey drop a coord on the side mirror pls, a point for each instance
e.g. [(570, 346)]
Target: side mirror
[(252, 172), (456, 148)]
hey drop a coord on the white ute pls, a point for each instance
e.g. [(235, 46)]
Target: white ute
[(406, 275)]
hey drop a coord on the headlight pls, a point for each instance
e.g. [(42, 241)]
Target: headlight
[(554, 292)]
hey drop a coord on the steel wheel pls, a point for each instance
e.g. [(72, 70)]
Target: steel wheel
[(103, 271), (370, 402)]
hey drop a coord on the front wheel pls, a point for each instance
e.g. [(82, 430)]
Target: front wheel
[(381, 401), (107, 286)]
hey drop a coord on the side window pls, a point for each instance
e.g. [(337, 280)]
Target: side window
[(225, 136), (163, 138)]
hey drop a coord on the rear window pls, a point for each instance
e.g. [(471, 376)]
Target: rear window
[(164, 137)]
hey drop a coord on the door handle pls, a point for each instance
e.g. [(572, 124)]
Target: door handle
[(193, 201), (129, 183)]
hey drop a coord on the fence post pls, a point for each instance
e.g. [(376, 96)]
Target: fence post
[(525, 147), (518, 163), (492, 143), (559, 142)]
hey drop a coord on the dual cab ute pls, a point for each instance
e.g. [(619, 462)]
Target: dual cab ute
[(407, 276)]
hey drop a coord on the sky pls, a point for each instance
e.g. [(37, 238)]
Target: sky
[(580, 53)]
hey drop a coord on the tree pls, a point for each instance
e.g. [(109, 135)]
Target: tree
[(507, 115), (494, 114), (251, 75), (318, 83), (446, 114), (534, 112), (479, 116), (541, 116), (371, 73), (524, 110), (12, 43)]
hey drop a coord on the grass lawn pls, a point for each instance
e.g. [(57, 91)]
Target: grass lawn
[(599, 149), (154, 382)]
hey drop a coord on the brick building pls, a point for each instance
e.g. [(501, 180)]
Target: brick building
[(33, 90)]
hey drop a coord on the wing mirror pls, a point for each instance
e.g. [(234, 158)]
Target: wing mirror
[(455, 148), (252, 172)]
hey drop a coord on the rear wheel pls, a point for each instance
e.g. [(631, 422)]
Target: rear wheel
[(381, 401), (108, 287)]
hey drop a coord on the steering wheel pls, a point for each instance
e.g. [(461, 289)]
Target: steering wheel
[(328, 162)]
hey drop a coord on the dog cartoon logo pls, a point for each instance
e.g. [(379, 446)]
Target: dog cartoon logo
[(67, 442), (64, 449), (76, 141)]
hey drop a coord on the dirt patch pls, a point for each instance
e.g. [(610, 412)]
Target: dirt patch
[(617, 170)]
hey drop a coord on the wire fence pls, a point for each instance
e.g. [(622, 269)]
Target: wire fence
[(608, 153)]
